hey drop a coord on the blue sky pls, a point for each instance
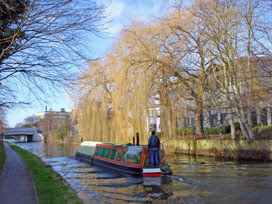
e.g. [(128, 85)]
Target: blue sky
[(121, 12)]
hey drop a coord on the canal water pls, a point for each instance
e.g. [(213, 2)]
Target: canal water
[(195, 180)]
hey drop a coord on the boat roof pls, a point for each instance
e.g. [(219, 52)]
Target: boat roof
[(93, 143), (121, 145)]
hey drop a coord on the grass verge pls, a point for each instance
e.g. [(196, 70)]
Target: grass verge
[(51, 187), (2, 157)]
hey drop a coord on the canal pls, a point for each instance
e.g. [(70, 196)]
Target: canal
[(195, 180)]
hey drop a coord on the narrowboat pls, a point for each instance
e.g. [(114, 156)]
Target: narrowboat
[(126, 158)]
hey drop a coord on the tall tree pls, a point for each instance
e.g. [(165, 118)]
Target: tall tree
[(2, 121), (43, 42), (31, 121), (11, 16)]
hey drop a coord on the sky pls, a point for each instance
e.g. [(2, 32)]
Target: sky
[(121, 12)]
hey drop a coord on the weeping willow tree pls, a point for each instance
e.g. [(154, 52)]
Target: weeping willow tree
[(148, 41), (116, 93), (92, 107), (113, 95)]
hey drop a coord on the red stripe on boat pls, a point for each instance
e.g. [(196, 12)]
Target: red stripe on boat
[(152, 175), (122, 163), (143, 157), (101, 145)]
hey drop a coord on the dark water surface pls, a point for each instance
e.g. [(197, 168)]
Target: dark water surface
[(194, 180)]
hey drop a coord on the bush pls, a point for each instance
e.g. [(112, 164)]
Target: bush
[(237, 126), (185, 131), (62, 131), (216, 130), (212, 130), (260, 128)]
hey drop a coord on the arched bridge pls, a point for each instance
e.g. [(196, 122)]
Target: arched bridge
[(31, 134)]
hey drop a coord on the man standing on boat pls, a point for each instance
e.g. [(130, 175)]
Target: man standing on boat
[(154, 146)]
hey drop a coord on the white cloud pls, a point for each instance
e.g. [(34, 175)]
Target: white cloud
[(114, 28), (157, 6), (115, 9), (121, 12), (144, 10), (114, 13)]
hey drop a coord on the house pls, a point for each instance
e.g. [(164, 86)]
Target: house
[(154, 121)]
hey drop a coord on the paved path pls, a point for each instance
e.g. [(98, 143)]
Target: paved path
[(16, 185)]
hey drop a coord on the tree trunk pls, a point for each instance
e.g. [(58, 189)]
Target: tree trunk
[(199, 117), (199, 123), (245, 127), (232, 125)]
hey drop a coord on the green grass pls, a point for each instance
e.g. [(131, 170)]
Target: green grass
[(2, 157), (50, 186)]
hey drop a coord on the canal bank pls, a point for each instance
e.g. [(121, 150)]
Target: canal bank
[(16, 184), (229, 149), (49, 186)]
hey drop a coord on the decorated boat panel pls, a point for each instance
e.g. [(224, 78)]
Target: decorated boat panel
[(133, 156)]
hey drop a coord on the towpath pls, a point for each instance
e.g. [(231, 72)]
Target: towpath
[(16, 184)]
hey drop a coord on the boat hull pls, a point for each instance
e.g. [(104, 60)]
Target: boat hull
[(118, 167), (84, 158)]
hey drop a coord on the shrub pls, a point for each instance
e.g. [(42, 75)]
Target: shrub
[(62, 131), (216, 130), (185, 131), (260, 128), (237, 126)]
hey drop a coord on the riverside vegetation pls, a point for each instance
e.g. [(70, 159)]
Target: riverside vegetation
[(2, 157), (217, 142), (50, 186)]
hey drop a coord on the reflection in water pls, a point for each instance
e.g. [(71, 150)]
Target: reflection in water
[(153, 188), (195, 180), (46, 150)]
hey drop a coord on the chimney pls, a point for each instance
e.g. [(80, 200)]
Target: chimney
[(137, 139), (45, 108)]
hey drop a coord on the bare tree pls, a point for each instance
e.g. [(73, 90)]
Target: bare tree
[(2, 122), (231, 26), (259, 25), (45, 43), (48, 126), (30, 121)]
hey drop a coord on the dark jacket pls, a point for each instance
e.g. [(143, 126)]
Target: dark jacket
[(154, 141)]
